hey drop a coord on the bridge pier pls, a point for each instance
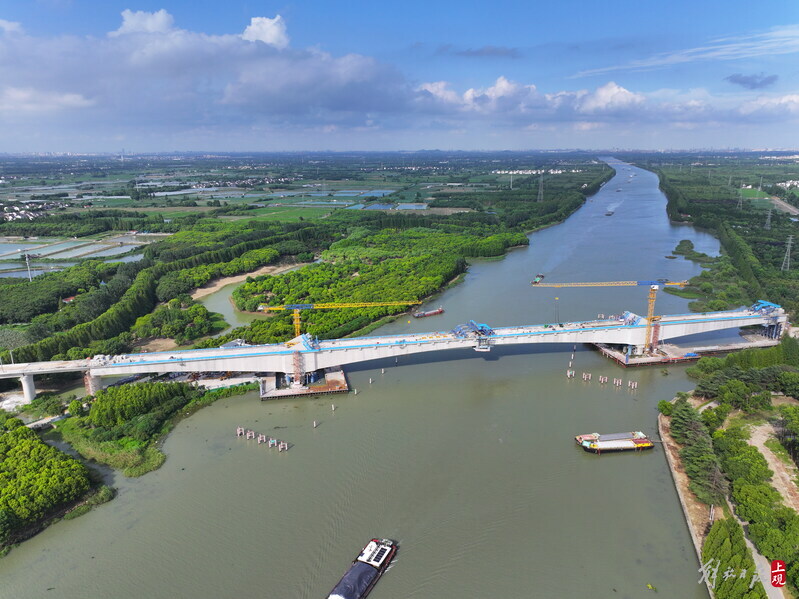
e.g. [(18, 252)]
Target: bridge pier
[(92, 383), (28, 387)]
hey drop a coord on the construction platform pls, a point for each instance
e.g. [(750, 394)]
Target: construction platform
[(332, 381), (668, 353)]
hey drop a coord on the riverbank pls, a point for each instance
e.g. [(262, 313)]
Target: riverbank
[(697, 514), (134, 458), (700, 517), (97, 495), (217, 284)]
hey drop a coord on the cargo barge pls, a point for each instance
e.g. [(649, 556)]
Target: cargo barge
[(596, 443), (365, 570), (421, 314)]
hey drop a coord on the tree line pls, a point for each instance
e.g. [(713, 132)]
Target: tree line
[(35, 478)]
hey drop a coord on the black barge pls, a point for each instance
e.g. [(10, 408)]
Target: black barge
[(365, 570)]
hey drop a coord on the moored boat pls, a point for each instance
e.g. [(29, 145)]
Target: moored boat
[(365, 570), (425, 314), (596, 443)]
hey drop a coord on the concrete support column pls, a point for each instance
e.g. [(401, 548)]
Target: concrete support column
[(28, 387), (92, 383)]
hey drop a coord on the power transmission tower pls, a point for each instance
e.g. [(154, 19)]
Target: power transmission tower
[(541, 188), (760, 187), (511, 181), (767, 226), (740, 200), (28, 263), (786, 262)]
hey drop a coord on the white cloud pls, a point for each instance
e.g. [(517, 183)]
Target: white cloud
[(10, 26), (777, 41), (504, 96), (144, 22), (508, 100), (771, 106), (609, 97), (439, 90), (21, 100), (587, 125), (268, 31)]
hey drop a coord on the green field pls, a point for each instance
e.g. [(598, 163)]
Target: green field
[(289, 213), (753, 194)]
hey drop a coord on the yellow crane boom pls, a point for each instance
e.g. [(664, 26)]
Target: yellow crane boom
[(653, 290), (613, 284), (328, 306)]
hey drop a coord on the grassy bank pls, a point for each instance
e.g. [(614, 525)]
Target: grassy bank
[(139, 454), (718, 287)]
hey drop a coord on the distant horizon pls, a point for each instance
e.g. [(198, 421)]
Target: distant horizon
[(419, 151)]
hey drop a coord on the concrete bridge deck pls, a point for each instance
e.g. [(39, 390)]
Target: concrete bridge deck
[(305, 354)]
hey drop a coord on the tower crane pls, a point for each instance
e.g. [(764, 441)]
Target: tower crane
[(328, 306), (653, 290)]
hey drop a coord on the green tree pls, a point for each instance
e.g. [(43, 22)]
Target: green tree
[(665, 407)]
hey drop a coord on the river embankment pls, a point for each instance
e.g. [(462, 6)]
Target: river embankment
[(697, 514)]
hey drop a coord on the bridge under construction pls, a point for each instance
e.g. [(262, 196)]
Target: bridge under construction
[(296, 359)]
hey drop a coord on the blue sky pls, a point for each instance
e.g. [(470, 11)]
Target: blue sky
[(80, 75)]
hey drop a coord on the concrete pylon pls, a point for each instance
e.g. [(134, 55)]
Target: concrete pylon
[(28, 387), (92, 383)]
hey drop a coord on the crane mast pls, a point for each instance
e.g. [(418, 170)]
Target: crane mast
[(651, 319)]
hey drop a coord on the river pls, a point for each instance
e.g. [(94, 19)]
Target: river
[(467, 459)]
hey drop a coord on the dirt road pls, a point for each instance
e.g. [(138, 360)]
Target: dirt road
[(784, 206), (216, 285), (784, 474)]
